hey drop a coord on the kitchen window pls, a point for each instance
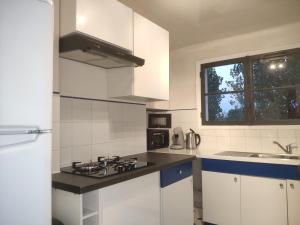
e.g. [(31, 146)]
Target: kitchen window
[(253, 90)]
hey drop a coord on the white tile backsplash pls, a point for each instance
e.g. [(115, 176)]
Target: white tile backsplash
[(89, 129), (55, 159), (237, 138), (82, 110)]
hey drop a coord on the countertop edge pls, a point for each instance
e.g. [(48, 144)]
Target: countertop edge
[(138, 173)]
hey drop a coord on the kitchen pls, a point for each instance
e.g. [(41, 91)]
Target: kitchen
[(128, 84)]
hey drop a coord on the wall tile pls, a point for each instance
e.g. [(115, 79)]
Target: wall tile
[(99, 111), (93, 128), (238, 143), (253, 133), (236, 138), (55, 136), (100, 132), (56, 108), (55, 161), (115, 111), (66, 109), (82, 133), (237, 133), (81, 153), (222, 133), (66, 134), (223, 143), (82, 110), (65, 156), (286, 133), (253, 144), (268, 146), (269, 133)]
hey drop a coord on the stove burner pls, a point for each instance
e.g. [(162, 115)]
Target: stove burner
[(105, 166)]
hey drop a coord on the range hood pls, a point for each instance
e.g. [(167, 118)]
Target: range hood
[(86, 49)]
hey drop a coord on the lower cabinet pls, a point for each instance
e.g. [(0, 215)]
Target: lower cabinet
[(263, 201), (177, 195), (293, 193), (232, 199), (221, 198), (133, 202)]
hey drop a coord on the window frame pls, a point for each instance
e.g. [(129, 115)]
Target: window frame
[(248, 90)]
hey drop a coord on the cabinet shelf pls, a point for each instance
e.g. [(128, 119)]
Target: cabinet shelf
[(87, 213)]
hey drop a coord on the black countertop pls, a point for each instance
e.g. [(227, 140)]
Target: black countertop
[(80, 184)]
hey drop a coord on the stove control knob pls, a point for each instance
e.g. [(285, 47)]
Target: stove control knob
[(74, 164), (100, 158), (120, 168)]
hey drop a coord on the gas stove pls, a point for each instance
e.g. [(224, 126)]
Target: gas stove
[(105, 166)]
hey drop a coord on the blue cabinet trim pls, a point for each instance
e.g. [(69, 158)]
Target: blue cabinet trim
[(175, 173), (251, 168)]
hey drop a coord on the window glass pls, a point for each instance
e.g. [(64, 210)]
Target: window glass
[(276, 71), (225, 107), (277, 104), (224, 78), (268, 93), (224, 92)]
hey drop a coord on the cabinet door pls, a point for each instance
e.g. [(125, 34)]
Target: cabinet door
[(221, 198), (293, 191), (263, 201), (151, 43), (108, 20), (133, 202), (177, 203)]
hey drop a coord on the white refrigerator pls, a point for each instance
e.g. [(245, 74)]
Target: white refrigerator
[(26, 58)]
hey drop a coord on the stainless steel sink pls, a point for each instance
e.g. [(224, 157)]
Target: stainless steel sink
[(263, 155), (275, 156), (259, 155)]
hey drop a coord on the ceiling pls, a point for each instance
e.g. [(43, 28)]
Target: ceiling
[(194, 21)]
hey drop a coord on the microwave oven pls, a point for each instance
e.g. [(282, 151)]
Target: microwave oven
[(159, 120)]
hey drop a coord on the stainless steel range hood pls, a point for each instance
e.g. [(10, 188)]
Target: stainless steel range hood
[(86, 49)]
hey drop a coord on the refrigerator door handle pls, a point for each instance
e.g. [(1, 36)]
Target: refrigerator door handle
[(22, 132), (12, 136)]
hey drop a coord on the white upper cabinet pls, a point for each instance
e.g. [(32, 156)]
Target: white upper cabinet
[(108, 20), (151, 81), (151, 42)]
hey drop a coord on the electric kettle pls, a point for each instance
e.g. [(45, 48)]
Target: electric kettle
[(192, 140)]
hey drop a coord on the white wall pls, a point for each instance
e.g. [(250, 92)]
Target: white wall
[(91, 128), (185, 68), (55, 133)]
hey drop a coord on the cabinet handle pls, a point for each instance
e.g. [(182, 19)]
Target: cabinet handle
[(235, 179), (180, 172), (281, 186), (292, 186)]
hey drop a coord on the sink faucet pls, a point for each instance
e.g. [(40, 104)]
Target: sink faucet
[(287, 149)]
